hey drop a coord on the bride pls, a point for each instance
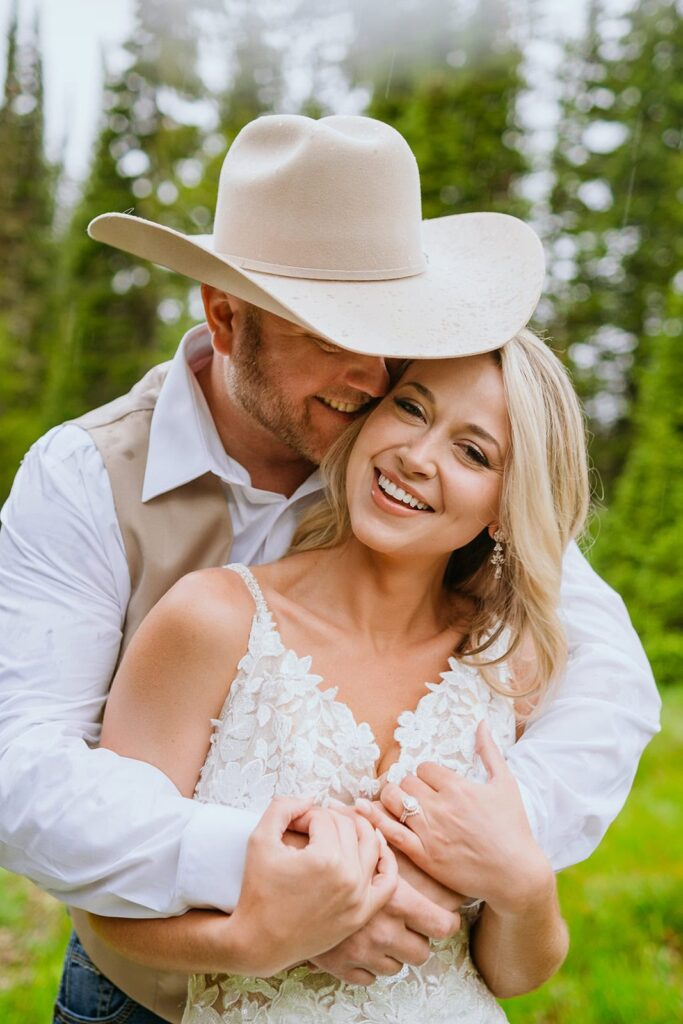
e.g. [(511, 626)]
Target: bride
[(299, 689)]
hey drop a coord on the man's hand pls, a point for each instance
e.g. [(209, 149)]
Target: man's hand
[(399, 933), (470, 836), (297, 901)]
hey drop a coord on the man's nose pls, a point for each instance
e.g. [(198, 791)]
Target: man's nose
[(368, 374)]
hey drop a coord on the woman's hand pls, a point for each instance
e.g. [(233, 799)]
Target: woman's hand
[(399, 933), (474, 838), (296, 903)]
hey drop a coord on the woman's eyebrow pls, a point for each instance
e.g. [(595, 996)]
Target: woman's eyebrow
[(474, 428), (422, 389)]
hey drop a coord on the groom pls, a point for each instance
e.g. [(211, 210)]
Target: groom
[(318, 274)]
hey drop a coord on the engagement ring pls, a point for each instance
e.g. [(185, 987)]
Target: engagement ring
[(410, 806)]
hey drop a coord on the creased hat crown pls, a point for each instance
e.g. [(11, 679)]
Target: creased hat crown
[(337, 198), (319, 222)]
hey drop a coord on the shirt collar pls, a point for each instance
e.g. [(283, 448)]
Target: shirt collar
[(183, 440)]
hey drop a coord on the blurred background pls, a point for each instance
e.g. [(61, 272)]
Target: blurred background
[(567, 114)]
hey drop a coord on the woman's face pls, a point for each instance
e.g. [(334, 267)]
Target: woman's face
[(426, 472)]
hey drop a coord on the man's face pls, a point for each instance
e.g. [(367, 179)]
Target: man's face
[(301, 389)]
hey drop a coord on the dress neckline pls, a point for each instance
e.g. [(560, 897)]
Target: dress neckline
[(264, 618)]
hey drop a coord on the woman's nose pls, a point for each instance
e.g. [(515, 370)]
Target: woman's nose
[(419, 458)]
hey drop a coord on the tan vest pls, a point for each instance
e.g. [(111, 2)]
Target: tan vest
[(170, 535)]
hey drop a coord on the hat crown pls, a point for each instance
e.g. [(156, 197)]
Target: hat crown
[(318, 222), (335, 198)]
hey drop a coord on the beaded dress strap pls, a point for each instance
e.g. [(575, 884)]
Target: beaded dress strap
[(262, 609)]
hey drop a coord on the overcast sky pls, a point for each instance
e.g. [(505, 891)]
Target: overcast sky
[(74, 33)]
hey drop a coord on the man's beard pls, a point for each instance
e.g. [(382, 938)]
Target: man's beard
[(259, 395)]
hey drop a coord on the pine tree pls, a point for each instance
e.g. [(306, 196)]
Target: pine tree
[(256, 84), (617, 212), (26, 249), (461, 119), (639, 544), (255, 87), (121, 316), (399, 41)]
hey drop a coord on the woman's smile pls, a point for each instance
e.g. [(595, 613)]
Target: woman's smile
[(392, 495), (435, 444)]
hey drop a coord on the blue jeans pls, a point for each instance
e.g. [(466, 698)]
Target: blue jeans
[(86, 996)]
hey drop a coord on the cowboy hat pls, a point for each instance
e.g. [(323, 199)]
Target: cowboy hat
[(319, 222)]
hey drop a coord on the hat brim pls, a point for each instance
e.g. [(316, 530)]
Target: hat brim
[(482, 284)]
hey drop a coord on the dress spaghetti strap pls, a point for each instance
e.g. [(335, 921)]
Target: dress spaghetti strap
[(262, 609)]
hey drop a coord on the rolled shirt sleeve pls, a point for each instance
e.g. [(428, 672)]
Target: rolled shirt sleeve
[(102, 832), (576, 762)]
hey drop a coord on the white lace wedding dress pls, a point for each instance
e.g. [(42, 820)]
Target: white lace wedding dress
[(279, 733)]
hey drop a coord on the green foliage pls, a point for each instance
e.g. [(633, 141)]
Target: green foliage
[(111, 330), (255, 88), (624, 906), (81, 321), (617, 212), (33, 936), (158, 154), (461, 121), (399, 40), (27, 249), (26, 187), (639, 546)]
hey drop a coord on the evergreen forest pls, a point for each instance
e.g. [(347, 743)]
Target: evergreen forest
[(79, 322)]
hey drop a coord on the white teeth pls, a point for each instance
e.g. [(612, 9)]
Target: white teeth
[(397, 492), (342, 406)]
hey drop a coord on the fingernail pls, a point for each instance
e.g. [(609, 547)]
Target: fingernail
[(363, 805)]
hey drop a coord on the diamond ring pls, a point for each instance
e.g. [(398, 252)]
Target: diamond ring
[(410, 806)]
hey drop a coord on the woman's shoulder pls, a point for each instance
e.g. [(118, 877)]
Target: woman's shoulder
[(210, 606)]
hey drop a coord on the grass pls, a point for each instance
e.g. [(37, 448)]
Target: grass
[(33, 935), (624, 908)]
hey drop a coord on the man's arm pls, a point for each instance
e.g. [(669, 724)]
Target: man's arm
[(109, 834), (294, 902), (576, 762)]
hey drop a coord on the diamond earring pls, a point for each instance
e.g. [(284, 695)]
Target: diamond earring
[(498, 556)]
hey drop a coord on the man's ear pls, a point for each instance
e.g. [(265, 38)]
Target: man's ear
[(219, 308)]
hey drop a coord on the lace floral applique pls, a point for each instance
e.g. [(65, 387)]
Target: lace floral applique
[(443, 726), (280, 733)]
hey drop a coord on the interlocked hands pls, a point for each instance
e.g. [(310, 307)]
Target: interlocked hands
[(340, 898), (474, 838), (296, 902)]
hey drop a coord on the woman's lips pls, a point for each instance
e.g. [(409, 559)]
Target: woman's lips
[(389, 504)]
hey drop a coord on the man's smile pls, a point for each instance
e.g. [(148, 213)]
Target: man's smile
[(345, 406)]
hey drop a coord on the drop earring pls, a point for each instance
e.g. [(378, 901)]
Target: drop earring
[(498, 556)]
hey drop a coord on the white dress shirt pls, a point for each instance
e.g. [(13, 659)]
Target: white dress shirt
[(113, 835)]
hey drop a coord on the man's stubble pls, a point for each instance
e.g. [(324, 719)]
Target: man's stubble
[(255, 386)]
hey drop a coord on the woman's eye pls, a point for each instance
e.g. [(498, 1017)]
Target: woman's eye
[(475, 455), (412, 408)]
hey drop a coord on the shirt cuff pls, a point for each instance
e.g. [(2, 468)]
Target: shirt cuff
[(212, 856)]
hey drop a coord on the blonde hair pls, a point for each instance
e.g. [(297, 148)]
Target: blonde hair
[(544, 503)]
